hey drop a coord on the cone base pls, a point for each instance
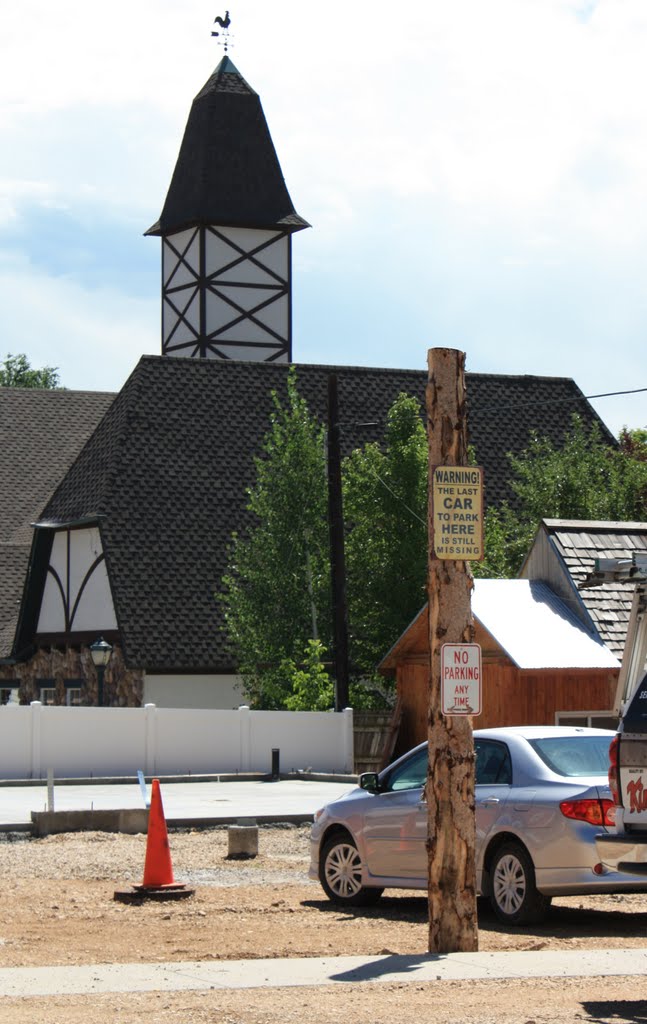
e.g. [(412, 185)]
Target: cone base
[(161, 893)]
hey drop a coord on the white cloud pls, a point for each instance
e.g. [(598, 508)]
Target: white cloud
[(476, 173), (94, 336), (13, 193)]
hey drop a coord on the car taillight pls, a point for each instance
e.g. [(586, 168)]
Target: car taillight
[(596, 812), (613, 769)]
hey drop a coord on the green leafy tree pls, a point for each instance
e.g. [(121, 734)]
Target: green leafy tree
[(276, 592), (497, 562), (385, 507), (277, 589), (310, 683), (312, 687), (16, 372), (634, 443), (585, 479)]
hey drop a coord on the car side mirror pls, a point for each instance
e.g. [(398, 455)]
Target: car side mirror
[(370, 782)]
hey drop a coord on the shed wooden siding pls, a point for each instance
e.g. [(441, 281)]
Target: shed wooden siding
[(510, 696)]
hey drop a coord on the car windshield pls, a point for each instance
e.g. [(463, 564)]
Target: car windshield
[(574, 755)]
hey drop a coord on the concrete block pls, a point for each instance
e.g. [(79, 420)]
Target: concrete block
[(128, 820), (243, 841)]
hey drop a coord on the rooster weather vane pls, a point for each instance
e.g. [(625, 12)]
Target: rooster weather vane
[(224, 25)]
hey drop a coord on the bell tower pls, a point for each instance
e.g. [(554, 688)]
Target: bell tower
[(226, 230)]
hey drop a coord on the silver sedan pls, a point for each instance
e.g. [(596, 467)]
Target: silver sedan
[(542, 794)]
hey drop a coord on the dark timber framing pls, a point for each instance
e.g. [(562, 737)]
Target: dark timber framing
[(204, 342), (64, 588)]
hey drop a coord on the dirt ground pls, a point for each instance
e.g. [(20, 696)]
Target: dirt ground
[(58, 907)]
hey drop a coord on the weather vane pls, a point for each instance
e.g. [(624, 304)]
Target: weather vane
[(224, 25)]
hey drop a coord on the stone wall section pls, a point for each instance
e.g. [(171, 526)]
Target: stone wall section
[(123, 687)]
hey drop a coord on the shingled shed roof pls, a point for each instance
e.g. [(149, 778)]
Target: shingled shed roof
[(227, 170), (579, 543), (41, 433), (169, 465)]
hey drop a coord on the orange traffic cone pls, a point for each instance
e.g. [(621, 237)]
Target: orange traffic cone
[(158, 870), (158, 880)]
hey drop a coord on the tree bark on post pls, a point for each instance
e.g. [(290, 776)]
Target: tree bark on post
[(450, 786)]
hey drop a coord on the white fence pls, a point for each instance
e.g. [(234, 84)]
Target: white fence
[(82, 742)]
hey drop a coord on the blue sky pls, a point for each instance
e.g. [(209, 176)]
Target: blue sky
[(475, 174)]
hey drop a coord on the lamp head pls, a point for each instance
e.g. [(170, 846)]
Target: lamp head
[(100, 651)]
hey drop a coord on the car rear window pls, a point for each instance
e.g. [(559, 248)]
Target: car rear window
[(574, 755)]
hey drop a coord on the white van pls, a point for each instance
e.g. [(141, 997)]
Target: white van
[(626, 848)]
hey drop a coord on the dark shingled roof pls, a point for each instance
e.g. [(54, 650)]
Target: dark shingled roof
[(14, 560), (169, 464), (41, 433), (579, 543), (227, 170)]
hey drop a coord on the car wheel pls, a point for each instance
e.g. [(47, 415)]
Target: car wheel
[(514, 897), (340, 873)]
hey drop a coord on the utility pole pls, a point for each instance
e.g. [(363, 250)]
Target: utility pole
[(337, 553), (450, 785)]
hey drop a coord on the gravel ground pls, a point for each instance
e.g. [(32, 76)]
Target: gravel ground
[(58, 907)]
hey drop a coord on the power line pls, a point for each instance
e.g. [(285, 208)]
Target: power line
[(610, 394), (524, 405), (557, 401), (396, 496)]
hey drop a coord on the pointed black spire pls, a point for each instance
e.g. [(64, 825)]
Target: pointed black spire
[(227, 171)]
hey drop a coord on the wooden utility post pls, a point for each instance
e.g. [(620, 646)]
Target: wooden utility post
[(450, 787)]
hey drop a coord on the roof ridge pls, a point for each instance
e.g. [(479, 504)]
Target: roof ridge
[(593, 525), (359, 368), (58, 392)]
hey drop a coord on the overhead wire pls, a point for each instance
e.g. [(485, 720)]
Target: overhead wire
[(559, 401), (397, 496)]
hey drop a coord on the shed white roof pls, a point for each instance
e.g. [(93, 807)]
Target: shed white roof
[(535, 627)]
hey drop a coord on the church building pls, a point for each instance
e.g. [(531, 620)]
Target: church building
[(117, 510)]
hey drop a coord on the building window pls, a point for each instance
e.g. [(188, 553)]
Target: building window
[(590, 719), (48, 695), (73, 693), (5, 695)]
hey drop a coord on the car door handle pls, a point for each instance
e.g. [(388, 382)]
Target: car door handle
[(490, 801)]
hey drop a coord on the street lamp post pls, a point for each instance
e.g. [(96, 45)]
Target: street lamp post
[(100, 651)]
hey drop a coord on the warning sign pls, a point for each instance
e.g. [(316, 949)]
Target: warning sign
[(460, 679), (457, 512)]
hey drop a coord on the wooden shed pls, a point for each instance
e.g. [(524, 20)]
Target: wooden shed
[(540, 665)]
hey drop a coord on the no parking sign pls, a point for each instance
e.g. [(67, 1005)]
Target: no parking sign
[(460, 679)]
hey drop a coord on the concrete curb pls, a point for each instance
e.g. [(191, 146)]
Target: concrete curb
[(131, 821), (129, 780), (96, 979), (54, 822)]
